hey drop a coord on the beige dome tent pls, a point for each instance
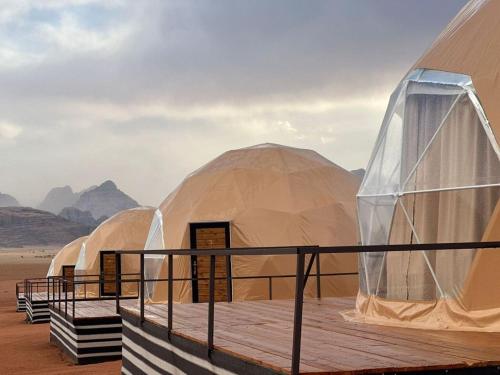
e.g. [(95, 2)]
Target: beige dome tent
[(126, 230), (434, 176), (266, 195), (64, 261)]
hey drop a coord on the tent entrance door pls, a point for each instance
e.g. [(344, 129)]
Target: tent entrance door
[(108, 273), (68, 273), (212, 235)]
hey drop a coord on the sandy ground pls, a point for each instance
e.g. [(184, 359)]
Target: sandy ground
[(25, 348)]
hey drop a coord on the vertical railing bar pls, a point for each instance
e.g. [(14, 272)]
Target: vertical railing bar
[(297, 314), (318, 277), (141, 292), (211, 307), (270, 288), (65, 298), (229, 285), (59, 294), (117, 283), (73, 299), (170, 292)]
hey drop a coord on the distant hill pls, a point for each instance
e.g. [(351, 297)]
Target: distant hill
[(77, 216), (105, 201), (100, 202), (25, 226), (58, 198), (359, 172), (7, 200)]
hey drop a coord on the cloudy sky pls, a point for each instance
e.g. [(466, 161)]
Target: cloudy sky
[(144, 92)]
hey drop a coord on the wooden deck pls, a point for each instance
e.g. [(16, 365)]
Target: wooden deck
[(261, 332), (89, 309)]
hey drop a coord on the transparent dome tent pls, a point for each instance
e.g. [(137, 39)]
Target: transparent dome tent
[(434, 176)]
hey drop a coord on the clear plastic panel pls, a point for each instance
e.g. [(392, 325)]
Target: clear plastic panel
[(152, 262), (383, 174), (375, 216), (443, 147), (461, 154), (445, 216), (424, 115)]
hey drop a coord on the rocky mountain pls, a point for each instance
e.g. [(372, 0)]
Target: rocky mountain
[(7, 200), (104, 201), (359, 172), (77, 216), (58, 198), (25, 226)]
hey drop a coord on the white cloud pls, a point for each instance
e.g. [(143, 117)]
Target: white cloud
[(69, 36), (9, 131)]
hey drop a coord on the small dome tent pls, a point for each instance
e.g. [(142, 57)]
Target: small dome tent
[(126, 230), (66, 257), (434, 176), (265, 195)]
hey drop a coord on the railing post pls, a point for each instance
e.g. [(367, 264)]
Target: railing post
[(318, 277), (59, 294), (297, 314), (73, 300), (211, 303), (229, 285), (170, 293), (117, 282), (270, 288), (141, 293), (65, 298)]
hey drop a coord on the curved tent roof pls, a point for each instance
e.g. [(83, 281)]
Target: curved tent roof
[(434, 176), (67, 256), (470, 45), (271, 195), (126, 230)]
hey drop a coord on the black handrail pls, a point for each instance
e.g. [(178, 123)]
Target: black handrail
[(300, 278)]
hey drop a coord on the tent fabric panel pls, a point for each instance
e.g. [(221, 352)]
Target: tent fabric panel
[(67, 256), (126, 230), (470, 45)]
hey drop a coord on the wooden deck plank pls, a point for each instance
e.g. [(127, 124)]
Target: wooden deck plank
[(262, 331)]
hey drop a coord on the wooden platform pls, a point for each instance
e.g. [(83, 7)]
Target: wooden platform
[(88, 309), (259, 335)]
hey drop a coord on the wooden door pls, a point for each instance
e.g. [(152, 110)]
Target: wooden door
[(108, 273), (210, 236), (68, 273)]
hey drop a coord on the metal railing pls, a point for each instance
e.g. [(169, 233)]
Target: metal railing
[(60, 292), (301, 276), (19, 289)]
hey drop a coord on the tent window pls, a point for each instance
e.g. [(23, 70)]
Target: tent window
[(108, 273), (68, 273), (213, 235), (434, 177)]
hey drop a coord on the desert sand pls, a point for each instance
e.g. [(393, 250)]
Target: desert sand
[(25, 348)]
